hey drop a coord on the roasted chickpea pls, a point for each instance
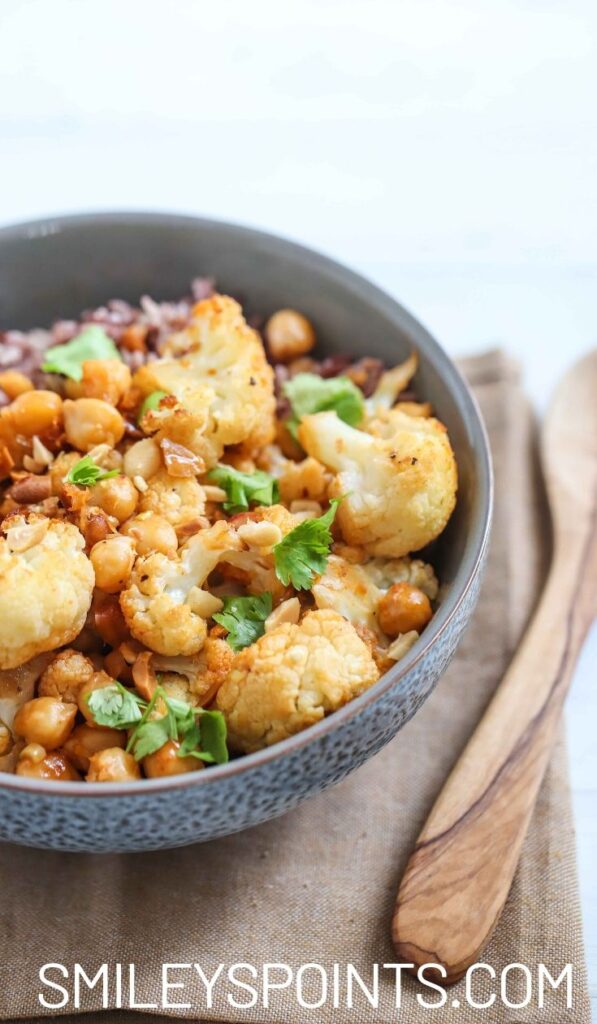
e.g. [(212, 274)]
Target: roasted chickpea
[(89, 422), (117, 496), (112, 765), (65, 675), (87, 740), (107, 379), (14, 383), (166, 761), (45, 720), (289, 334), (142, 459), (150, 533), (402, 609), (35, 412), (6, 740), (54, 765), (112, 560), (98, 681)]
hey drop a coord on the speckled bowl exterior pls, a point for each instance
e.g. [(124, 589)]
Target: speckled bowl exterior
[(55, 268)]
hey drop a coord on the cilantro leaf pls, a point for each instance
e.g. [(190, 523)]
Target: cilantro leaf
[(202, 734), (115, 706), (303, 553), (91, 343), (244, 618), (309, 393), (86, 473), (152, 401), (151, 736), (242, 488), (212, 733)]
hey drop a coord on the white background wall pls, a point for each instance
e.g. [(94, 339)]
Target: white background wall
[(446, 149)]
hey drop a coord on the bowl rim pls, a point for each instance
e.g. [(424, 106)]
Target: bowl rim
[(474, 552)]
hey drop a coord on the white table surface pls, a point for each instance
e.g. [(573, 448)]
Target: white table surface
[(447, 151)]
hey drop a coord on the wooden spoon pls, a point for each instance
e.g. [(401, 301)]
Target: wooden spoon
[(458, 878)]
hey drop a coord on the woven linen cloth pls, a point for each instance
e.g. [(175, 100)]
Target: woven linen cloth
[(318, 885)]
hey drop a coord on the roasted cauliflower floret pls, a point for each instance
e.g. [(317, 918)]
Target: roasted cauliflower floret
[(306, 479), (196, 679), (65, 675), (291, 677), (384, 572), (399, 491), (390, 385), (217, 370), (349, 590), (178, 499), (164, 606), (46, 586)]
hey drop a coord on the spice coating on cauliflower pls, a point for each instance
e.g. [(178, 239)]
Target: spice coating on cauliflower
[(180, 500), (350, 591), (164, 606), (196, 679), (399, 490), (46, 586), (220, 376), (291, 677)]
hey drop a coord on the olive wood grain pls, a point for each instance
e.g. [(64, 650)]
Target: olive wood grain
[(458, 878)]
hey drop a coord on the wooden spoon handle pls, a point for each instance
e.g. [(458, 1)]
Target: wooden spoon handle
[(459, 875)]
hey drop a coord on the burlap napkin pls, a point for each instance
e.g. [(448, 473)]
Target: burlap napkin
[(318, 885)]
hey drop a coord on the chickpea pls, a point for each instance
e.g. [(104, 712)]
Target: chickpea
[(117, 497), (98, 681), (14, 383), (54, 766), (402, 609), (6, 741), (112, 765), (87, 740), (45, 720), (107, 379), (65, 675), (289, 334), (60, 468), (150, 533), (143, 459), (166, 761), (89, 421), (112, 560), (35, 412)]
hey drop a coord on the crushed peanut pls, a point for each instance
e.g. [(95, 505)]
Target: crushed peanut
[(402, 645), (203, 603), (213, 493), (260, 535), (287, 611)]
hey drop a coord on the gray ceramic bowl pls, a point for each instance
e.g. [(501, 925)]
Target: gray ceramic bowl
[(57, 267)]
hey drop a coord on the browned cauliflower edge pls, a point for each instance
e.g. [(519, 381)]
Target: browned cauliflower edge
[(293, 676), (46, 586)]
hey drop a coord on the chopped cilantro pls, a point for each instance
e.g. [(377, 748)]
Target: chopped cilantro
[(115, 706), (244, 618), (309, 393), (86, 473), (303, 553), (91, 343), (259, 488)]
